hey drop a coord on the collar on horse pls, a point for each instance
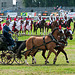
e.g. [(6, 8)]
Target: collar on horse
[(54, 40)]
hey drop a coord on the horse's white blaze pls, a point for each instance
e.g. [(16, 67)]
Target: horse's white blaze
[(70, 31), (62, 31)]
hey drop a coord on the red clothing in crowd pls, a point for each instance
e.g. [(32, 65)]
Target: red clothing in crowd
[(9, 19)]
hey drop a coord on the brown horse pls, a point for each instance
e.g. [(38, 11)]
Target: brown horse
[(41, 26), (35, 43), (60, 48), (54, 25), (67, 24)]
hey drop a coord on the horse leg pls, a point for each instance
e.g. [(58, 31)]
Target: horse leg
[(43, 54), (40, 31), (48, 56), (73, 30), (33, 57), (65, 56), (31, 32), (26, 54), (56, 57), (47, 30), (50, 50)]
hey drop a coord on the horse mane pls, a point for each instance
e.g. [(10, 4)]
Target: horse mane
[(53, 30)]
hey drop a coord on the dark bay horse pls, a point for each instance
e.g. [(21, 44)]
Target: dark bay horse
[(67, 24), (37, 25), (60, 48), (34, 43)]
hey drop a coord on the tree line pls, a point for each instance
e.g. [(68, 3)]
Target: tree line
[(48, 3)]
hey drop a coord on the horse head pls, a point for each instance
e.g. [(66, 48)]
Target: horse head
[(69, 21), (54, 25), (68, 33), (60, 22)]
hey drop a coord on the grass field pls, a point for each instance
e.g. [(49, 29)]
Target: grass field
[(60, 68)]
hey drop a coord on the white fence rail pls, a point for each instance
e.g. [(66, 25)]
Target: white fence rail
[(36, 17)]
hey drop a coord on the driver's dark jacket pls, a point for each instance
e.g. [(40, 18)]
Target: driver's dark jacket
[(7, 35)]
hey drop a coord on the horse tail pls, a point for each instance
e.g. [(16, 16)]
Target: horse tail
[(21, 47)]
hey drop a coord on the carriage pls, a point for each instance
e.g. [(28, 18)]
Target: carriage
[(9, 56)]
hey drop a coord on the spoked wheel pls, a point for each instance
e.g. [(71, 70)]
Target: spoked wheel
[(20, 60), (7, 57)]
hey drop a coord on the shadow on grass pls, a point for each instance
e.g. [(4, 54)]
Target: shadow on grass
[(39, 65)]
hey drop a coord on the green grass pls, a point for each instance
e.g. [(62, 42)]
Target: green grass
[(60, 68)]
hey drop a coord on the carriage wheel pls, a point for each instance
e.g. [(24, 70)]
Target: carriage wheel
[(20, 60), (7, 57)]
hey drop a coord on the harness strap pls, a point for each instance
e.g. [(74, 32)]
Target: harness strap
[(52, 37), (44, 42)]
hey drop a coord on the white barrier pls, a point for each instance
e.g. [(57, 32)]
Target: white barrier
[(36, 17)]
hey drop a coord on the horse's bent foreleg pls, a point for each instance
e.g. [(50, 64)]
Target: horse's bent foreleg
[(43, 54)]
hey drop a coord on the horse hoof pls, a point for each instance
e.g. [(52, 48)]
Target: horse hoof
[(35, 62), (54, 62), (32, 63), (27, 64), (67, 61), (47, 61)]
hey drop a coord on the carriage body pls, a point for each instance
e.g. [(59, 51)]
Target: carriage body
[(9, 56)]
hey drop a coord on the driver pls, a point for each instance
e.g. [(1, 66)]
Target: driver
[(7, 34)]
